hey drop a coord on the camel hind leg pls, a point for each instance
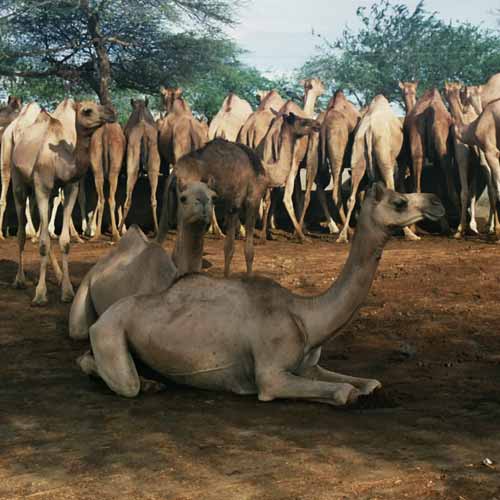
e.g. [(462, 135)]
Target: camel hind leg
[(82, 314)]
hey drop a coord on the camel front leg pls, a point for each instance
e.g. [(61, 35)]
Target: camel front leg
[(99, 208), (20, 197), (5, 175), (52, 223), (214, 226), (232, 219), (332, 226), (250, 217), (153, 182), (493, 162), (70, 195), (113, 184), (288, 201)]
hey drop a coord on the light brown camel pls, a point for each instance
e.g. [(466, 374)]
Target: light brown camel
[(227, 123), (138, 265), (481, 95), (45, 156), (484, 132), (236, 174), (179, 131), (142, 154), (9, 113), (377, 144), (107, 150), (10, 136), (251, 336), (255, 128), (337, 133), (428, 127)]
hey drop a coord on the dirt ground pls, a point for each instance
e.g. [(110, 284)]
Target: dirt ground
[(430, 331)]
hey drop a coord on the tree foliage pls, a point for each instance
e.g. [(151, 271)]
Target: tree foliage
[(395, 43)]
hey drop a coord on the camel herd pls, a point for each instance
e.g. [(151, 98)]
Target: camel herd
[(247, 336)]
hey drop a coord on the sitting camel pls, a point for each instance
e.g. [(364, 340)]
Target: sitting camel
[(139, 266), (377, 144), (227, 123), (46, 156), (239, 180), (142, 154), (251, 336)]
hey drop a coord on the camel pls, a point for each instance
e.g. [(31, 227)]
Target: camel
[(10, 136), (377, 144), (139, 266), (142, 154), (482, 95), (9, 112), (236, 174), (232, 115), (251, 336), (337, 133), (428, 127), (409, 91), (107, 150), (179, 131), (45, 156), (257, 124), (484, 133)]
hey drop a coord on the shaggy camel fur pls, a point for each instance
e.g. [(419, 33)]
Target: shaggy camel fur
[(469, 159), (139, 266), (484, 132), (428, 127), (238, 178), (47, 155), (251, 336), (377, 144), (179, 131), (107, 150), (337, 133), (227, 123), (142, 154), (255, 128)]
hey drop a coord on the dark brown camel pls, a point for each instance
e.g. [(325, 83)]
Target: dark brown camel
[(142, 153), (236, 174), (428, 127)]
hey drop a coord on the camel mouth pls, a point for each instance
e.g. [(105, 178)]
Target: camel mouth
[(435, 211)]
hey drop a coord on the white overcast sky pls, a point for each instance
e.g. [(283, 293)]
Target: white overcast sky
[(277, 33)]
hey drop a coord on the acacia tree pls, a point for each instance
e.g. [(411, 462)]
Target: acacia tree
[(395, 43), (98, 44)]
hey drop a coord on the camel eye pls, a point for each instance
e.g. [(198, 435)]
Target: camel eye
[(87, 112), (400, 204), (183, 198)]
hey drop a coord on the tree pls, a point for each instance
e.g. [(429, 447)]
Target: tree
[(395, 44), (105, 44)]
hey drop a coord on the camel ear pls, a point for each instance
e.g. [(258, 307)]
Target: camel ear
[(378, 191), (163, 90), (179, 92), (146, 102), (210, 182), (181, 186), (302, 82), (416, 82), (401, 86), (274, 112)]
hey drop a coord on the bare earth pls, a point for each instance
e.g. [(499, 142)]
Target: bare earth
[(430, 331)]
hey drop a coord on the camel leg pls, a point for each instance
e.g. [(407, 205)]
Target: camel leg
[(250, 217), (99, 208), (113, 362), (31, 232), (5, 175), (279, 384), (133, 157), (492, 219), (463, 157), (287, 200), (493, 162), (311, 171), (82, 203), (82, 314), (266, 204), (52, 223), (20, 197), (153, 182), (214, 226), (232, 219), (70, 195), (332, 227), (42, 200), (113, 184)]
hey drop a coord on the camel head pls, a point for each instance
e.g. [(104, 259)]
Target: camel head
[(90, 115), (471, 96), (196, 203), (409, 90), (313, 85), (139, 104), (387, 209), (300, 126), (14, 103), (169, 95)]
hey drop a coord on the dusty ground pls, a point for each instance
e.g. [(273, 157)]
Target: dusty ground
[(430, 331)]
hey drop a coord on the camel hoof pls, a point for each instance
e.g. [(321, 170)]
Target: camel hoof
[(342, 238), (152, 386), (39, 301), (369, 387), (412, 237), (458, 235), (67, 295), (20, 284), (353, 396), (115, 237)]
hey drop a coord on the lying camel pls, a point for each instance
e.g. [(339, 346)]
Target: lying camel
[(142, 154), (227, 123), (377, 144), (337, 133), (251, 336), (46, 156), (238, 178), (139, 266)]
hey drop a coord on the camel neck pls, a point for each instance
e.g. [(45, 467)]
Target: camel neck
[(463, 130), (324, 315), (310, 99), (188, 251), (409, 103)]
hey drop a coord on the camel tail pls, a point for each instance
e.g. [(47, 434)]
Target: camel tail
[(105, 158), (163, 224), (143, 165), (196, 140), (82, 314)]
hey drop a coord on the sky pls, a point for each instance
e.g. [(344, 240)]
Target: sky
[(278, 33)]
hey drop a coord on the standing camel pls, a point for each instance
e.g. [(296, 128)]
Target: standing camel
[(377, 144), (337, 133), (107, 149), (46, 156), (239, 179), (481, 95), (232, 115), (251, 336), (142, 153)]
